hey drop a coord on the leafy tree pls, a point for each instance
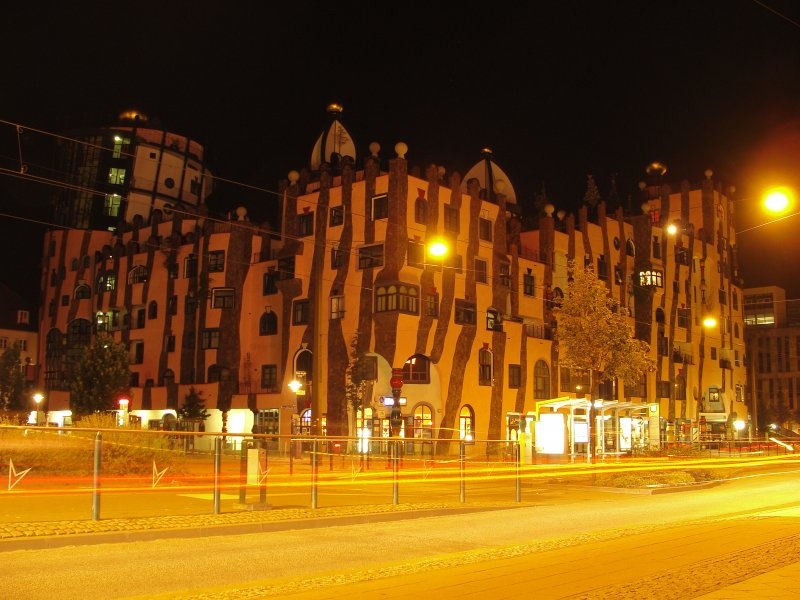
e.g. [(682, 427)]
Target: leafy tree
[(100, 376), (594, 336), (356, 382), (12, 382), (194, 407)]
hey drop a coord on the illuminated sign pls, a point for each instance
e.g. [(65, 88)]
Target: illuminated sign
[(389, 400)]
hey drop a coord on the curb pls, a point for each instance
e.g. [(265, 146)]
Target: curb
[(189, 532)]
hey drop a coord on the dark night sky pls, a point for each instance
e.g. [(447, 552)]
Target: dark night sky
[(557, 89)]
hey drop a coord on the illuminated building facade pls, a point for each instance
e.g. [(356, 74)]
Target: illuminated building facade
[(237, 311)]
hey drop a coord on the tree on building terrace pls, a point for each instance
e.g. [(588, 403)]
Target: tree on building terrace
[(99, 377), (194, 407), (594, 336)]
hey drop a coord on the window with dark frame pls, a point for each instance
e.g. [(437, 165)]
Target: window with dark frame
[(336, 216), (451, 218), (190, 266), (268, 324), (380, 207), (300, 312), (465, 313), (216, 261), (269, 286), (528, 284), (421, 211), (415, 254), (485, 229), (338, 257), (223, 298), (514, 376), (416, 370), (209, 338), (337, 307), (269, 377), (305, 224), (432, 305), (480, 271), (370, 256), (484, 367)]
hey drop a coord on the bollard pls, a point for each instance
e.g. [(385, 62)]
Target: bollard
[(314, 466), (243, 473), (98, 449), (462, 456), (518, 458), (262, 484), (217, 469), (291, 457), (395, 474), (330, 456)]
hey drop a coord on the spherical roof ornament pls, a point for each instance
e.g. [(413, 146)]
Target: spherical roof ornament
[(656, 168), (374, 148), (486, 151), (440, 170), (334, 108), (561, 214), (294, 177), (401, 148), (642, 185), (241, 213), (709, 173), (548, 209)]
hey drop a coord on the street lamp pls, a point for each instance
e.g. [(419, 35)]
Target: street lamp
[(37, 398)]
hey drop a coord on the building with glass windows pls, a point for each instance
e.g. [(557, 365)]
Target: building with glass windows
[(238, 311)]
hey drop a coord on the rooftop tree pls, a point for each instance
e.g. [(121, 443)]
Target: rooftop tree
[(594, 336)]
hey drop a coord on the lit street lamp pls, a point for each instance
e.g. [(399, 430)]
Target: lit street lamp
[(37, 398)]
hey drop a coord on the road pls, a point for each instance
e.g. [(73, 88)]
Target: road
[(607, 545)]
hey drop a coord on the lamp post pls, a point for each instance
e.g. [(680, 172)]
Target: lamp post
[(37, 398)]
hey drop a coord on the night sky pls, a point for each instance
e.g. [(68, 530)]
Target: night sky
[(558, 90)]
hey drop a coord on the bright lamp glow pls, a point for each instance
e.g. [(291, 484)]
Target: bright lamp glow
[(738, 425), (672, 229), (437, 249), (295, 385), (777, 200), (709, 321)]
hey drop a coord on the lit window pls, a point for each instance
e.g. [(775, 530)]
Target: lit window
[(116, 176), (111, 205), (417, 370), (337, 307), (650, 278)]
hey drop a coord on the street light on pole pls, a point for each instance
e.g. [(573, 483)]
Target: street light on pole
[(37, 398)]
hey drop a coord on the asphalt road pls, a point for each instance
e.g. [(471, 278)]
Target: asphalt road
[(558, 545)]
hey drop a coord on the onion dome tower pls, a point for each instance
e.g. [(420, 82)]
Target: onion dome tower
[(334, 143)]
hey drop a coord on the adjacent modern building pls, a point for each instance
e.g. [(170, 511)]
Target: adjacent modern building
[(772, 332), (239, 312)]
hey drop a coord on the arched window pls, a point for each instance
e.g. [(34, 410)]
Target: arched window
[(466, 423), (137, 274), (152, 310), (82, 291), (630, 249), (680, 387), (541, 380), (305, 422), (268, 324), (417, 369), (54, 344), (423, 421), (484, 366)]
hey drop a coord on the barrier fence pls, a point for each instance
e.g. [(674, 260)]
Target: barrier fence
[(138, 473)]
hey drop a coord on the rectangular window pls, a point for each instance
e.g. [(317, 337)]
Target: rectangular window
[(190, 305), (618, 275), (651, 278), (432, 305), (662, 389), (480, 271), (139, 318), (485, 229), (190, 266), (514, 376), (209, 339), (23, 317), (194, 186), (172, 305), (111, 205), (421, 211), (505, 274), (3, 343), (269, 286), (380, 207), (336, 216), (337, 307), (528, 284), (116, 176), (451, 219), (713, 353), (723, 297), (120, 146), (171, 343), (415, 254), (286, 268), (370, 256), (684, 317), (216, 261), (223, 298), (137, 352), (656, 250), (465, 313), (602, 268), (338, 258), (269, 377), (305, 224), (300, 312), (268, 420)]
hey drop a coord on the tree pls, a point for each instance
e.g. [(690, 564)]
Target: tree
[(12, 382), (593, 335), (194, 407), (99, 376), (356, 382)]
